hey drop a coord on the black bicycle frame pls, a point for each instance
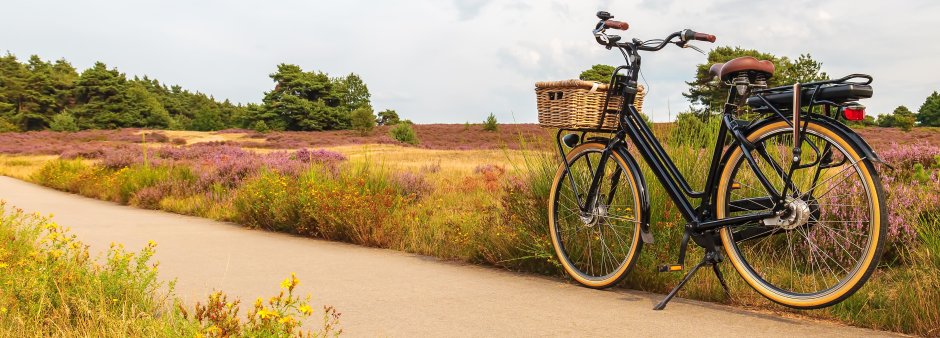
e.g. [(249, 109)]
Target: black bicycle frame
[(653, 153)]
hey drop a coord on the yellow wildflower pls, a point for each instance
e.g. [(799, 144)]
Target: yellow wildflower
[(290, 282), (306, 309), (264, 313)]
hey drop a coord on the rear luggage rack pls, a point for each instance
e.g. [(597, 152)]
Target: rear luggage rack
[(830, 92)]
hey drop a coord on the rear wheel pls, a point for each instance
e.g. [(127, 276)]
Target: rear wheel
[(596, 248), (828, 238)]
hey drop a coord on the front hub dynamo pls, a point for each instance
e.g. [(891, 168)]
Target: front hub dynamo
[(599, 212)]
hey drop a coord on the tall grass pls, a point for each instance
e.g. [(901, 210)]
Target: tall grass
[(51, 286), (495, 215)]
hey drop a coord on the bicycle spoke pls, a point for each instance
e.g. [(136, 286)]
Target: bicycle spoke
[(597, 244), (819, 254)]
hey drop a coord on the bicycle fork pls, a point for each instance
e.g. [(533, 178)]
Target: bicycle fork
[(590, 199)]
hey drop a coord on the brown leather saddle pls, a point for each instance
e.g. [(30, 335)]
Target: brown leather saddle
[(725, 71)]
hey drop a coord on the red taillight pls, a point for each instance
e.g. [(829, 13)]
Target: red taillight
[(854, 113)]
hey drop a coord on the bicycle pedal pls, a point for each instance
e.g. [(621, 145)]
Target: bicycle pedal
[(670, 268)]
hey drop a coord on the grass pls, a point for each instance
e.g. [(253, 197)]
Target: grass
[(410, 158), (50, 286), (192, 137), (22, 166), (488, 206)]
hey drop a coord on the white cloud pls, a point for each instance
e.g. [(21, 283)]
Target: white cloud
[(458, 60)]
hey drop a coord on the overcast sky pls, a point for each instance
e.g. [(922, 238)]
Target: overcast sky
[(457, 61)]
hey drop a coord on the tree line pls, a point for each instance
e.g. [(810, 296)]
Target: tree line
[(38, 94)]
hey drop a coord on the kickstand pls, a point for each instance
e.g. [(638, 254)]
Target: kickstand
[(721, 279), (711, 257)]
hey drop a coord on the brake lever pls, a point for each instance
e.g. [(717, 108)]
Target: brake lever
[(686, 44)]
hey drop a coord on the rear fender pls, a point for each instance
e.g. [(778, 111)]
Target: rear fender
[(860, 143)]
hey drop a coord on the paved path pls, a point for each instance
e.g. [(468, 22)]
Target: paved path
[(389, 293)]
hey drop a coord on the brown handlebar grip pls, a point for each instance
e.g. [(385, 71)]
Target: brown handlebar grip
[(704, 37), (616, 25)]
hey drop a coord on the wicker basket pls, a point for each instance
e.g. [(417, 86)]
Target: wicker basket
[(577, 104)]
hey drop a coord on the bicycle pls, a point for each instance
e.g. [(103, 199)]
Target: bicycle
[(793, 198)]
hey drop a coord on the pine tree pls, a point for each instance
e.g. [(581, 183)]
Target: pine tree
[(143, 109), (599, 73), (388, 117), (100, 98), (352, 92), (929, 114), (490, 123), (709, 97), (305, 100), (13, 89)]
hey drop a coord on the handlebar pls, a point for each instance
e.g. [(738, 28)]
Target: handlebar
[(684, 36), (689, 34), (616, 25)]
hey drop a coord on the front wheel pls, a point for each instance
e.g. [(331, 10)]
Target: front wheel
[(598, 247), (826, 239)]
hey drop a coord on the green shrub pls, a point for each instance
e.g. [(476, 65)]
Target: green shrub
[(906, 123), (132, 180), (920, 174), (362, 120), (61, 174), (404, 133), (6, 126), (490, 123), (260, 127), (266, 202), (63, 122), (359, 205)]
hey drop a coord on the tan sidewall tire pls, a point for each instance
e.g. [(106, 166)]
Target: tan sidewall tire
[(875, 246), (635, 245)]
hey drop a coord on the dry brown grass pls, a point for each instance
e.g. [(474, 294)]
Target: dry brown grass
[(410, 158), (21, 166), (203, 136)]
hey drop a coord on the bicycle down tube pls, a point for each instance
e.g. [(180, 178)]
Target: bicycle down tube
[(667, 172)]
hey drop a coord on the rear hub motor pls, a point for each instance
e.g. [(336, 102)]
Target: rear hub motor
[(796, 214)]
